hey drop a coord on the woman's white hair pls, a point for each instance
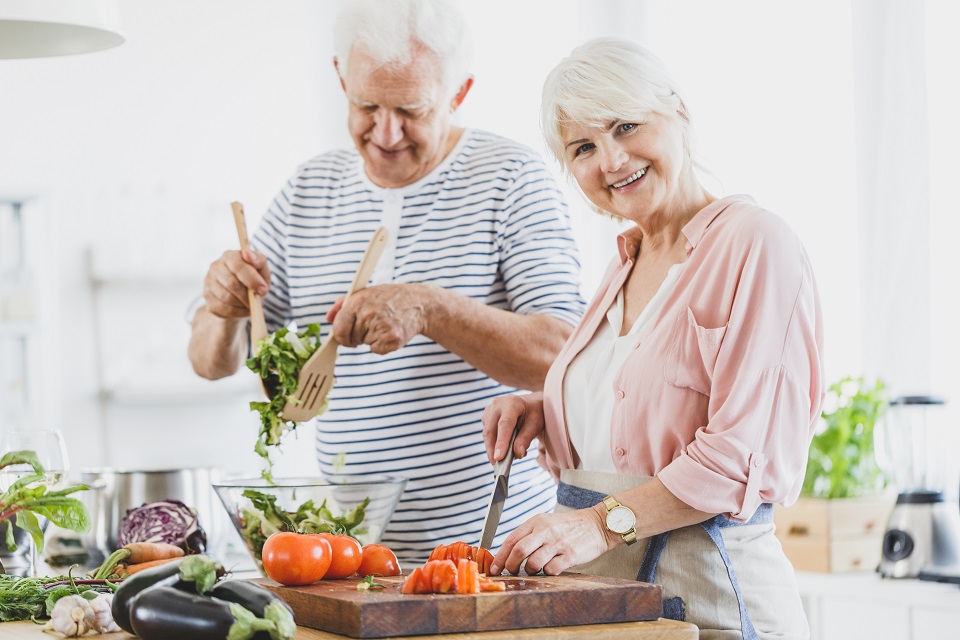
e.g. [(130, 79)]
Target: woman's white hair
[(603, 80), (389, 30)]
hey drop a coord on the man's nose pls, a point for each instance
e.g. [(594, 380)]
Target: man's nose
[(612, 156), (387, 128)]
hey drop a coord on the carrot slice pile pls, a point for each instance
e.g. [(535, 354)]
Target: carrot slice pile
[(455, 574), (458, 550)]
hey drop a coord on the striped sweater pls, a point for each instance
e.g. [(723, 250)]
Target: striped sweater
[(488, 223)]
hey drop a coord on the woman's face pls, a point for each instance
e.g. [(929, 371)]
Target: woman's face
[(633, 169)]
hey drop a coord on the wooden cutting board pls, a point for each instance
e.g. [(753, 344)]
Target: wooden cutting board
[(337, 606)]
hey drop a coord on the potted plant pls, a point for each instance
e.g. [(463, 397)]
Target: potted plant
[(838, 523)]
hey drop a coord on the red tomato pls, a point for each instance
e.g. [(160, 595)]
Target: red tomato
[(378, 560), (295, 558), (347, 555)]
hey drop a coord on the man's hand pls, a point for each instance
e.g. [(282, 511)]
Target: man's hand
[(386, 317), (229, 277)]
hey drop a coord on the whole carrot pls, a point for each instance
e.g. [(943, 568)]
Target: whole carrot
[(137, 568), (150, 551)]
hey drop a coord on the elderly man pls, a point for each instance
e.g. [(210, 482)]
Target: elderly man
[(473, 298)]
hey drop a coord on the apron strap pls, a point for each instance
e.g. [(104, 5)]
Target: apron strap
[(579, 498)]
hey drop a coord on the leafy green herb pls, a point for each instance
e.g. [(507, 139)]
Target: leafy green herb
[(369, 583), (278, 360), (267, 518), (841, 463), (30, 598), (28, 497)]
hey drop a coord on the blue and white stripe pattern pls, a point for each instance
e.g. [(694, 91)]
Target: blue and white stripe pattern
[(488, 223)]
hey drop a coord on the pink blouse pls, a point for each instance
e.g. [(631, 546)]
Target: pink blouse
[(723, 390)]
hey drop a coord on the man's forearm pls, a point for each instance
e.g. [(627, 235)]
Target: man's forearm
[(217, 345), (512, 348)]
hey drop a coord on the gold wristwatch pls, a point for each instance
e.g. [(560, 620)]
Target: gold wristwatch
[(621, 520)]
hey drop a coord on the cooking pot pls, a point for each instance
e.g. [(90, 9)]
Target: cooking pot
[(114, 491)]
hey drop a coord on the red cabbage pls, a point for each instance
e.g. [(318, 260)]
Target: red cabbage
[(168, 521)]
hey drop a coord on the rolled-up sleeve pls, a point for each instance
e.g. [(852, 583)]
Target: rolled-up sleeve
[(765, 388)]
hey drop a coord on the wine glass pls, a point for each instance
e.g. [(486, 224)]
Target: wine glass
[(51, 452)]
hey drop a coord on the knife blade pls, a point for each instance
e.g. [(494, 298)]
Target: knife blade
[(501, 475)]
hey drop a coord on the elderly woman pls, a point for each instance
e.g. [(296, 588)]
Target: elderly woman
[(681, 408)]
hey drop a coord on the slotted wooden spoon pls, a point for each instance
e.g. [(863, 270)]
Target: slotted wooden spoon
[(316, 376), (258, 323)]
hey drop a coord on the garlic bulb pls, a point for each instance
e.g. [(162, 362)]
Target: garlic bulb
[(101, 610), (72, 616)]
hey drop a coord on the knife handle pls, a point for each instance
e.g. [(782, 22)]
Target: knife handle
[(502, 468)]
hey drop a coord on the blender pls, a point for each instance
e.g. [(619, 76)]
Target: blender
[(922, 539)]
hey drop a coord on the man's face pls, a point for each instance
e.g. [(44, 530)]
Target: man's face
[(399, 117)]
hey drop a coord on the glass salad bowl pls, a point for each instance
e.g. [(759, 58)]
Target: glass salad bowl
[(358, 505)]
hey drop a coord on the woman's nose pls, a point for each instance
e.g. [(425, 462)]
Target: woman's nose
[(387, 128), (612, 156)]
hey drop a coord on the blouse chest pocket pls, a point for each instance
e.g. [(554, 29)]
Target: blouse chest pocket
[(693, 354)]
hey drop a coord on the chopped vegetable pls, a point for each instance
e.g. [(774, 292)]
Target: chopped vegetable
[(168, 521), (278, 360), (369, 583), (458, 550), (445, 576)]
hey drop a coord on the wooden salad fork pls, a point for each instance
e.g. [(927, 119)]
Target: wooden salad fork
[(316, 376), (258, 323)]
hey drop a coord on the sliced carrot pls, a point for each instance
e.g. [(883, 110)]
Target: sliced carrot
[(137, 568), (486, 584), (411, 582), (485, 560), (462, 576)]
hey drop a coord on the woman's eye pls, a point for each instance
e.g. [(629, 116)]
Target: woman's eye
[(627, 126), (583, 149)]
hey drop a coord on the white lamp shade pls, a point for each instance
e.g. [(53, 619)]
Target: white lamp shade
[(42, 28)]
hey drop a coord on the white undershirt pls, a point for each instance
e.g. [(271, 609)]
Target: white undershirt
[(588, 393)]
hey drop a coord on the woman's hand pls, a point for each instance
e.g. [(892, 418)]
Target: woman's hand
[(503, 415), (553, 542)]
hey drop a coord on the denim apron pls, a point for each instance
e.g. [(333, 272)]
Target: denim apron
[(700, 578)]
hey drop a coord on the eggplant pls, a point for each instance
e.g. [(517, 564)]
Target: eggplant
[(192, 574), (163, 613), (164, 575), (248, 595)]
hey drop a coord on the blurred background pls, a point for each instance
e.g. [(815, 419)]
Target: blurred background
[(117, 169)]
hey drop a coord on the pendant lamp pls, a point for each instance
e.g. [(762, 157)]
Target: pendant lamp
[(43, 28)]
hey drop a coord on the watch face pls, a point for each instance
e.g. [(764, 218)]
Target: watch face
[(620, 520)]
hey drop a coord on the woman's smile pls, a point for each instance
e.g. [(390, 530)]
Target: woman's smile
[(630, 179)]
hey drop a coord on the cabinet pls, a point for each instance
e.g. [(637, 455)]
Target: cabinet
[(864, 605)]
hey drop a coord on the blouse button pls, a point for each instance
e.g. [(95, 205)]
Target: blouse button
[(756, 463), (620, 393), (620, 451)]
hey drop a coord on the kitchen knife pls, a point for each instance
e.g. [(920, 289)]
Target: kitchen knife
[(501, 475)]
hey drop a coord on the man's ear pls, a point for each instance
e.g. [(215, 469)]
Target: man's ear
[(336, 65), (461, 94)]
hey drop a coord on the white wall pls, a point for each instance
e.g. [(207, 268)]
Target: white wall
[(135, 154)]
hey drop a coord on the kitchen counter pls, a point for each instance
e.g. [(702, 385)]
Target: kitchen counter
[(656, 630)]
